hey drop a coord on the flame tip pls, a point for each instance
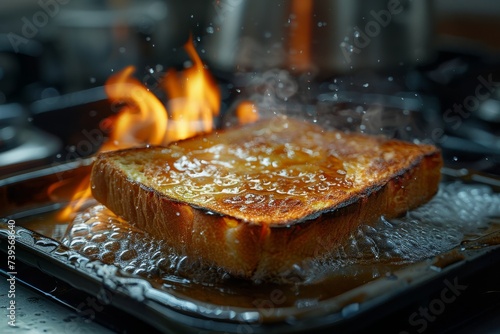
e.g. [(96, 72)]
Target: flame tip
[(194, 100)]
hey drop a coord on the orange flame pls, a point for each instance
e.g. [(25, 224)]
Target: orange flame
[(194, 101), (144, 118), (80, 197), (247, 112)]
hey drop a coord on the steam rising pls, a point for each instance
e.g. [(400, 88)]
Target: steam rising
[(348, 104)]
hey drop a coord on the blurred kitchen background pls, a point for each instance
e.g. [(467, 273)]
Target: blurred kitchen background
[(422, 70)]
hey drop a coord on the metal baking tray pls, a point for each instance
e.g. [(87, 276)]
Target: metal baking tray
[(356, 296)]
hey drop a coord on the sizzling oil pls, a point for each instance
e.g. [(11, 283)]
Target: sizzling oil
[(456, 216), (99, 235)]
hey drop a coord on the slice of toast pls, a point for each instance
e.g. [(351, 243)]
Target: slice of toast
[(257, 199)]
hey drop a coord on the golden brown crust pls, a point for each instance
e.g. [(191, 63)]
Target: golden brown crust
[(261, 246)]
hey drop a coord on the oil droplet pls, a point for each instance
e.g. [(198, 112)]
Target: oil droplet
[(46, 243), (80, 230), (112, 246), (77, 244), (128, 254), (99, 238), (116, 235), (90, 250), (108, 257)]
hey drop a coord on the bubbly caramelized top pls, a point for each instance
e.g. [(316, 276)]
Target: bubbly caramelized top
[(275, 171)]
